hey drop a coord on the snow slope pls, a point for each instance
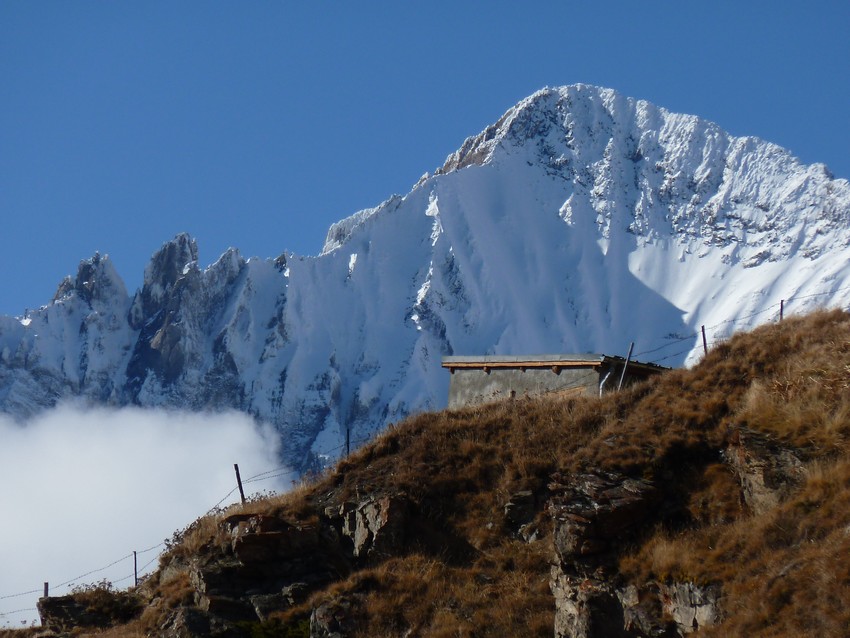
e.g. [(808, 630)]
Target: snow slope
[(580, 221)]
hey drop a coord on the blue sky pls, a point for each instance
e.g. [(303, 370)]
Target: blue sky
[(258, 124)]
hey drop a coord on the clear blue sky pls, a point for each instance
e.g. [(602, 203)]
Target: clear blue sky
[(257, 124)]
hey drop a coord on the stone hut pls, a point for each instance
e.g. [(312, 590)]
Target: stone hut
[(477, 380)]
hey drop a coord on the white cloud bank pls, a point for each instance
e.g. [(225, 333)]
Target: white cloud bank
[(80, 489)]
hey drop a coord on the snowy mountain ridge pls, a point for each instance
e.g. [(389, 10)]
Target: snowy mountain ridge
[(706, 183), (580, 221)]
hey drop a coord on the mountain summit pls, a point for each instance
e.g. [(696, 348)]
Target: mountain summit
[(580, 221)]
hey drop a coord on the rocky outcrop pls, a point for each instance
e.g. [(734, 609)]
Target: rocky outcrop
[(593, 515), (690, 606), (262, 564), (188, 622), (520, 513), (586, 607), (98, 607), (766, 470), (374, 526), (593, 511), (257, 565), (332, 619)]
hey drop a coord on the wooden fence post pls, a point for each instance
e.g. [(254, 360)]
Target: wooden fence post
[(781, 309), (135, 570), (46, 589), (239, 482), (704, 342)]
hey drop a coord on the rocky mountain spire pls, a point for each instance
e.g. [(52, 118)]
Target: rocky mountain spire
[(96, 281), (176, 259)]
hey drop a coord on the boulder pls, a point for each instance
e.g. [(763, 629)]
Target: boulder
[(586, 608), (332, 619), (289, 596), (766, 470), (375, 526), (185, 622), (593, 515), (691, 606), (521, 508), (95, 608), (592, 511)]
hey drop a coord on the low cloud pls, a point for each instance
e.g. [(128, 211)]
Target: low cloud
[(80, 489)]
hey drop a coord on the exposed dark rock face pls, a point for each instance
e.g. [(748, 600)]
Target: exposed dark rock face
[(594, 515), (691, 606), (376, 526), (263, 564), (332, 619), (189, 622), (169, 314), (594, 511), (766, 470), (98, 608), (521, 508), (167, 267)]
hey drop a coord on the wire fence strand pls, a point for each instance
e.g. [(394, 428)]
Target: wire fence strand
[(17, 611), (95, 571), (25, 593)]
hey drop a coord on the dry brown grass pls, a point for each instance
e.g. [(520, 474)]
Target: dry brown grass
[(189, 541), (505, 593), (464, 573), (783, 572), (125, 631), (175, 592)]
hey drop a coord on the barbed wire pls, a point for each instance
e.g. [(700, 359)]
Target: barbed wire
[(263, 476), (673, 342), (25, 593), (821, 294), (216, 506), (256, 477), (670, 356), (150, 549), (94, 571), (288, 472), (17, 611), (270, 474), (744, 317), (732, 322), (121, 580), (151, 561)]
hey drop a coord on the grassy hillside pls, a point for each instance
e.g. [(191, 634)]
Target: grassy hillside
[(748, 454)]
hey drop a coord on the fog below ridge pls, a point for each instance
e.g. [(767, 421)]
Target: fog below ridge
[(82, 488)]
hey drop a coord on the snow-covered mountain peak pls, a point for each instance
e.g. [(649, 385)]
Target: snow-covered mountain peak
[(534, 118), (96, 282), (340, 231), (580, 221), (170, 263), (632, 167)]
